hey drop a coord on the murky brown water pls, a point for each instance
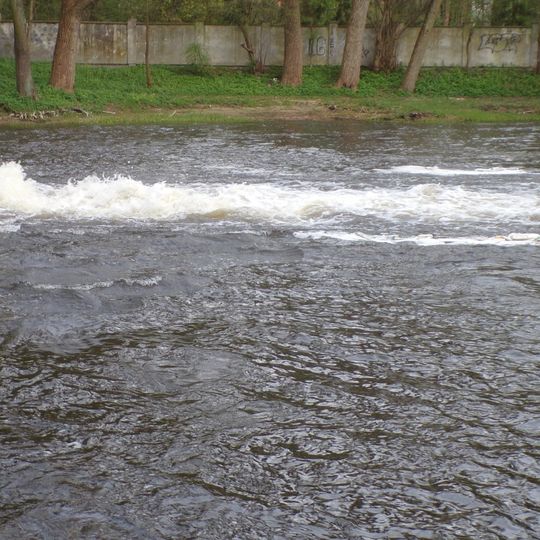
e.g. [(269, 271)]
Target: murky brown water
[(304, 331)]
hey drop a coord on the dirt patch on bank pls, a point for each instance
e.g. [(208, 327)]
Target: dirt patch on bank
[(402, 110), (301, 110), (295, 111)]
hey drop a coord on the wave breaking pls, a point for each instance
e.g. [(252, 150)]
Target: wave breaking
[(510, 240), (438, 171), (123, 198)]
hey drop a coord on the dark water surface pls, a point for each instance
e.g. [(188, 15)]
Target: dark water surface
[(319, 330)]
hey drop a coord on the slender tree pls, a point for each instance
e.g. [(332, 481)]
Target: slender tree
[(422, 41), (466, 12), (294, 44), (538, 42), (447, 13), (538, 56), (246, 13), (390, 19), (352, 54), (23, 66), (67, 42), (147, 68)]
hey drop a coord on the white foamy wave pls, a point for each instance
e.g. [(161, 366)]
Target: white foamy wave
[(123, 198), (8, 227), (437, 171), (143, 282), (140, 282), (513, 239), (78, 287)]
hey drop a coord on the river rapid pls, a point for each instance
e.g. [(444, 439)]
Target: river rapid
[(283, 331)]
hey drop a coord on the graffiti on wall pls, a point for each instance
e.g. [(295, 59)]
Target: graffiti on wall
[(500, 41), (317, 46)]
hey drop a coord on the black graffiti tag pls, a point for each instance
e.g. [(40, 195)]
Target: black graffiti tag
[(317, 47), (500, 42)]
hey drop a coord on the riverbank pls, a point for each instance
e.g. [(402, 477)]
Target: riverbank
[(107, 96)]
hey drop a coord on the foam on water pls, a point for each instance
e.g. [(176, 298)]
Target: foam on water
[(9, 227), (122, 198), (130, 282), (437, 171), (77, 287), (512, 239)]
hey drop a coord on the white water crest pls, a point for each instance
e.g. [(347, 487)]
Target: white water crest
[(77, 287), (123, 198), (510, 240), (130, 282), (9, 226), (437, 171)]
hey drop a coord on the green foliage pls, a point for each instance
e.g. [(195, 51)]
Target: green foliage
[(209, 11), (251, 12), (175, 86), (319, 12), (43, 11), (187, 11), (478, 82), (198, 59), (314, 12), (515, 12), (193, 10), (120, 10), (343, 12), (393, 12)]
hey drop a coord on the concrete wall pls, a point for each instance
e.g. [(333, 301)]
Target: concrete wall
[(120, 44), (501, 47), (103, 44), (445, 49)]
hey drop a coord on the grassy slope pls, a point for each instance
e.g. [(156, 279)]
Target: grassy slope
[(442, 94)]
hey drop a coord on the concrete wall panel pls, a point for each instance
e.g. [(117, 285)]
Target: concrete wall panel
[(102, 44), (6, 40), (444, 48), (43, 40), (316, 46), (500, 47), (368, 53), (168, 43), (223, 44), (275, 46), (116, 44)]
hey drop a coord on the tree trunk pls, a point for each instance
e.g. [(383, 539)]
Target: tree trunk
[(387, 36), (294, 44), (353, 52), (67, 42), (248, 47), (538, 53), (466, 12), (23, 66), (386, 45), (422, 42), (447, 13), (147, 68), (537, 69)]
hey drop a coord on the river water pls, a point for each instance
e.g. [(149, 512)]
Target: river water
[(283, 331)]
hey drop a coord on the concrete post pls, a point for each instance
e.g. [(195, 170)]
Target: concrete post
[(131, 42), (535, 44), (332, 58)]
